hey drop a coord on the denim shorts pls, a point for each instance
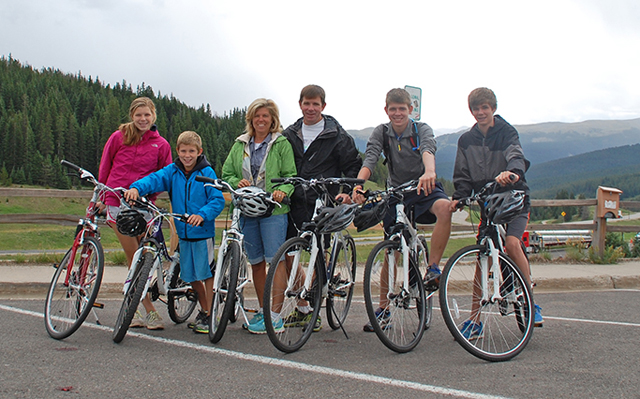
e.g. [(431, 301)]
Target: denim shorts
[(196, 258), (263, 236)]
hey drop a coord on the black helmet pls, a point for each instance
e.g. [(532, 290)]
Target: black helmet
[(331, 220), (253, 205), (370, 214), (503, 207), (131, 223)]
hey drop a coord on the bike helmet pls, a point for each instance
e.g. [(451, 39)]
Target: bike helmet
[(331, 220), (254, 204), (370, 214), (503, 207), (131, 223)]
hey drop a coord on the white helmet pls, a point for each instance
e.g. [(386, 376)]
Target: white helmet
[(252, 202)]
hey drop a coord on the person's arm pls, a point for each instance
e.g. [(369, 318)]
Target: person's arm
[(350, 160), (215, 199), (287, 169), (106, 162), (232, 167), (427, 181)]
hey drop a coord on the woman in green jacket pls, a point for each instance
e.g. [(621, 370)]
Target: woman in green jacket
[(257, 156)]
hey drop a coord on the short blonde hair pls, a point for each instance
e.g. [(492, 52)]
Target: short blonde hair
[(189, 138), (271, 106)]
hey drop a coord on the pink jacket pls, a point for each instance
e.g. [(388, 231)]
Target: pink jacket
[(122, 164)]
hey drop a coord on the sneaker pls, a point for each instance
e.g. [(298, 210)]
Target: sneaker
[(432, 278), (137, 321), (538, 320), (199, 317), (154, 321), (384, 318), (299, 319), (471, 330), (203, 325), (255, 319), (260, 328)]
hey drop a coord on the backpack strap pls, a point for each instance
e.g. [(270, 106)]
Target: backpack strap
[(386, 142)]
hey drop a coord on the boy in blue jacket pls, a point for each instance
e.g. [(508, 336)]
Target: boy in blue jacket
[(202, 204)]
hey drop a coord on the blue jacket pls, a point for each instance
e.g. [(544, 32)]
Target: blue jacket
[(187, 196)]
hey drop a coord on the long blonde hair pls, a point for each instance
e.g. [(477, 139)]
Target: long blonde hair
[(130, 132)]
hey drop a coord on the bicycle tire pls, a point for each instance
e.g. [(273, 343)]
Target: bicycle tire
[(293, 255), (132, 296), (180, 303), (342, 281), (423, 266), (503, 336), (68, 305), (400, 325), (223, 304), (243, 279)]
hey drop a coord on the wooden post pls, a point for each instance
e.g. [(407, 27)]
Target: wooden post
[(599, 235)]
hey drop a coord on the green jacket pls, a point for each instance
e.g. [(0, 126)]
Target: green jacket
[(279, 162)]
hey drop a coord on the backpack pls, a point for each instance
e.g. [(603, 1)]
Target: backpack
[(386, 143)]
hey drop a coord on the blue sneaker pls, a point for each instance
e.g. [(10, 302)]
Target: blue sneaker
[(255, 319), (471, 330), (538, 320), (260, 328), (432, 278)]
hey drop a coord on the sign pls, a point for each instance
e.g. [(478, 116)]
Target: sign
[(416, 101)]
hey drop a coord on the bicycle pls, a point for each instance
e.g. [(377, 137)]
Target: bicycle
[(480, 284), (398, 306), (231, 262), (76, 281), (299, 272), (148, 260)]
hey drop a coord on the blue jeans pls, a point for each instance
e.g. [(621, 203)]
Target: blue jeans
[(263, 236)]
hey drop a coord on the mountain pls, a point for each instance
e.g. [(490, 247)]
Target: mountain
[(542, 142)]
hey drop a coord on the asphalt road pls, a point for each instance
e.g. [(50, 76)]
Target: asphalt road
[(587, 349)]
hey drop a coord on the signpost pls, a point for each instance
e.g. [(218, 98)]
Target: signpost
[(416, 101)]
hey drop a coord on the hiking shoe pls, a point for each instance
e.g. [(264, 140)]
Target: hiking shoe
[(432, 278), (199, 317), (259, 327), (299, 319), (471, 330), (384, 319), (154, 321), (538, 320), (137, 321), (203, 325), (255, 319)]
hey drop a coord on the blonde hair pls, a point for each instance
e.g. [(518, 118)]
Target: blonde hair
[(130, 132), (189, 138), (271, 106)]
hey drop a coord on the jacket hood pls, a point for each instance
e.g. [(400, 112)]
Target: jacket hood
[(201, 163)]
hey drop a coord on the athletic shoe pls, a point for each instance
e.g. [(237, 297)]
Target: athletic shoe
[(255, 319), (384, 319), (299, 319), (199, 317), (471, 330), (260, 328), (154, 321), (137, 321), (538, 320), (203, 325), (432, 278)]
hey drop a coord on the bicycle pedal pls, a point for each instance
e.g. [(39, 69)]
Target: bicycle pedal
[(98, 305)]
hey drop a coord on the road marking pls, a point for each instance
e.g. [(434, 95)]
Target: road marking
[(285, 363)]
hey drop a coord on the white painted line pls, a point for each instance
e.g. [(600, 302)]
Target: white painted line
[(285, 363)]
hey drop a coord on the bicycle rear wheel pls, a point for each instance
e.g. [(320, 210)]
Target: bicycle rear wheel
[(342, 281), (399, 322), (503, 326), (68, 303), (132, 296), (181, 298), (284, 291), (223, 305)]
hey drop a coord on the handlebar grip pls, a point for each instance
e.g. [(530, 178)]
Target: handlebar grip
[(69, 165), (512, 177), (286, 201), (278, 180), (353, 180), (205, 179)]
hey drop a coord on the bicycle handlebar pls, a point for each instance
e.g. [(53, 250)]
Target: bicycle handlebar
[(223, 185)]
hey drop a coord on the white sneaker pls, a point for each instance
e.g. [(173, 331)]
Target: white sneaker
[(138, 320), (154, 321)]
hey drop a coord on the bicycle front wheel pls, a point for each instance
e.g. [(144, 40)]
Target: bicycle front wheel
[(496, 326), (284, 291), (423, 266), (69, 300), (132, 296), (396, 310), (341, 282), (223, 305), (181, 298)]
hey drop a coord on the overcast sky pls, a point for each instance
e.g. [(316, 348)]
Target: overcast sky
[(557, 60)]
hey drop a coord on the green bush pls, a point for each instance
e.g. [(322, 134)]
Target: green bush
[(616, 240)]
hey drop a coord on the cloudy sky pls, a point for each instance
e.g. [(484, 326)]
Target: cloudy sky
[(548, 60)]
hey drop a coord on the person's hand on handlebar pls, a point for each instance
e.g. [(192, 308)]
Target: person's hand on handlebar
[(131, 194), (244, 183), (277, 195), (357, 195), (343, 198), (453, 206), (507, 177), (195, 220)]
